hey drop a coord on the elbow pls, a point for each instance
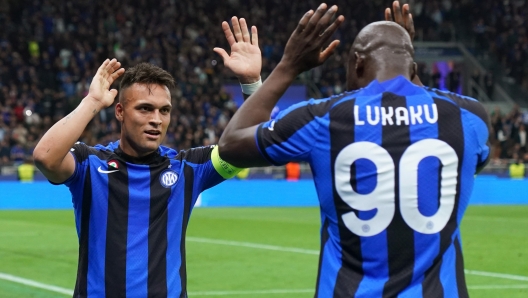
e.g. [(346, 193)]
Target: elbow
[(42, 159), (227, 148)]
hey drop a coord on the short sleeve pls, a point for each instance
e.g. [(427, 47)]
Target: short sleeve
[(293, 133), (80, 152), (198, 164)]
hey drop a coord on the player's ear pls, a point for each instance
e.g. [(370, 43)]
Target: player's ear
[(414, 70), (360, 64), (119, 111)]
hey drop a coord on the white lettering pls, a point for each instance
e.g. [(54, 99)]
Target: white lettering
[(416, 116), (402, 115), (356, 116), (376, 120), (434, 119), (386, 115)]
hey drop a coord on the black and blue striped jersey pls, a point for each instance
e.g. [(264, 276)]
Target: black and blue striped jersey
[(393, 165), (131, 217)]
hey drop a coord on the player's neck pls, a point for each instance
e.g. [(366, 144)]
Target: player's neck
[(386, 75)]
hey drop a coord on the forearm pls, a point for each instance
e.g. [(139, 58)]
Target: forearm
[(57, 141), (258, 107)]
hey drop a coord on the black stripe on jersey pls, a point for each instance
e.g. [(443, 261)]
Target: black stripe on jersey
[(341, 135), (460, 275), (294, 121), (116, 233), (400, 237), (324, 238), (188, 173), (197, 155), (450, 130), (157, 233), (81, 285)]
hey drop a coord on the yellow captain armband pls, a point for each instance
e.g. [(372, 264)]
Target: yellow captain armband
[(223, 168)]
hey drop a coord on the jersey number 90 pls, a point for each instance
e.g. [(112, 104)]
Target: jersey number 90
[(382, 198)]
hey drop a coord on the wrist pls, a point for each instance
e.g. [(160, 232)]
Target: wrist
[(93, 102), (288, 69), (251, 87), (248, 80)]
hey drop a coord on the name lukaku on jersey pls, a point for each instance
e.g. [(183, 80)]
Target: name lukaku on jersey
[(395, 116)]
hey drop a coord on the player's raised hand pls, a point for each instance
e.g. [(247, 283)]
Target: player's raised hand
[(305, 48), (402, 17), (245, 60), (107, 73)]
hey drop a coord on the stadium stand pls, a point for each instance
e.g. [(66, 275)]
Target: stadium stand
[(49, 51)]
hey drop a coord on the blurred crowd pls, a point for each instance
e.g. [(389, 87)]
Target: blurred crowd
[(50, 49)]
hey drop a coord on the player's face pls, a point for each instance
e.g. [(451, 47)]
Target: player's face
[(144, 115)]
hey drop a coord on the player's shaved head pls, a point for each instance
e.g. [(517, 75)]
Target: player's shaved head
[(381, 50)]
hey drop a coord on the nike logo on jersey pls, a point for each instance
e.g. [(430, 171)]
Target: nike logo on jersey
[(272, 125), (105, 172)]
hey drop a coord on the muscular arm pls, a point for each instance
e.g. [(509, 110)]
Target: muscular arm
[(51, 153), (237, 144)]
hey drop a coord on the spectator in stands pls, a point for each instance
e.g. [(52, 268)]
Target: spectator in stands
[(26, 171), (517, 168)]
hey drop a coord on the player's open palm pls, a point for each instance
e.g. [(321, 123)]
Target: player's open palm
[(305, 48), (107, 73), (245, 60)]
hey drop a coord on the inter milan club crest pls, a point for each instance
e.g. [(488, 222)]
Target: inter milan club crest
[(168, 178), (112, 164)]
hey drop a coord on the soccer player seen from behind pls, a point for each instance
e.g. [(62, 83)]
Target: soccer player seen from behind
[(132, 198), (393, 162)]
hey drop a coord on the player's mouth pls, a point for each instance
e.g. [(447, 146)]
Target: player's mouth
[(153, 134)]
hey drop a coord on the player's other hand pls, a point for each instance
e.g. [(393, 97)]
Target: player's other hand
[(107, 73), (305, 48), (403, 17), (245, 60)]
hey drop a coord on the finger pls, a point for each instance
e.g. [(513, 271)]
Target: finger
[(388, 14), (407, 19), (329, 51), (329, 32), (115, 75), (397, 13), (222, 53), (254, 36), (303, 22), (114, 93), (315, 18), (236, 29), (109, 69), (245, 32), (323, 22), (228, 33), (102, 67), (116, 66), (411, 27)]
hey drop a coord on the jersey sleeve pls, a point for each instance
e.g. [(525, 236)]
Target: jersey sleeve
[(80, 152), (208, 168), (292, 135), (481, 126)]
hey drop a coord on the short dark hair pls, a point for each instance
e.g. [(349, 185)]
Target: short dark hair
[(148, 74)]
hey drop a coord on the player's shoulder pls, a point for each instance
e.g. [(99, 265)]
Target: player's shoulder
[(82, 151), (316, 107), (466, 103), (197, 155)]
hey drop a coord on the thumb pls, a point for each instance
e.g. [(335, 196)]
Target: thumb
[(113, 93), (222, 53), (328, 51)]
